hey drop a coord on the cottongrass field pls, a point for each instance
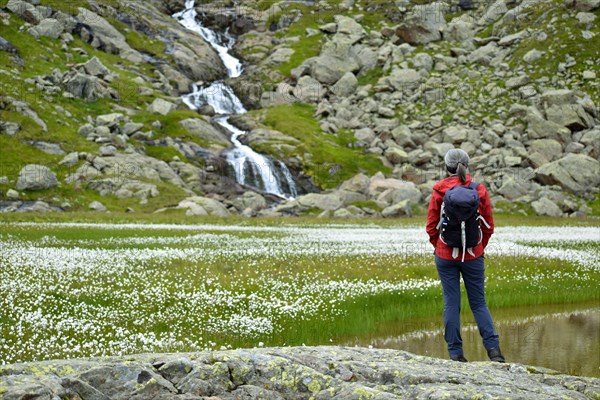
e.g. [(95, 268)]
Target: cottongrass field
[(77, 290)]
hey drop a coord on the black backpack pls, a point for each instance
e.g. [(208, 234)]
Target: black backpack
[(459, 219)]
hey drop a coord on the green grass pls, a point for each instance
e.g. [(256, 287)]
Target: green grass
[(333, 159)]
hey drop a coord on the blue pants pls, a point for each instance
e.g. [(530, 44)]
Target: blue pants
[(473, 275)]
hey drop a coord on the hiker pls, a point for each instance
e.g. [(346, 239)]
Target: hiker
[(459, 225)]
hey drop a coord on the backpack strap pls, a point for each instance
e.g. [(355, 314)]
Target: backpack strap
[(474, 185)]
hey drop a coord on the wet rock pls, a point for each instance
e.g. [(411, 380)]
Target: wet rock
[(36, 177)]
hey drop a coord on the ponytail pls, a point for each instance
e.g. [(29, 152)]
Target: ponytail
[(461, 171)]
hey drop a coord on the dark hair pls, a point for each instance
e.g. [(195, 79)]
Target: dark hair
[(461, 171)]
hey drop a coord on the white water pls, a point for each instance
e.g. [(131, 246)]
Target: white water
[(249, 165)]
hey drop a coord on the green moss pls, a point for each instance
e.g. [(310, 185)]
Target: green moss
[(333, 159), (595, 206)]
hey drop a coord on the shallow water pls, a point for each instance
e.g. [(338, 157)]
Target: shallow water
[(563, 338)]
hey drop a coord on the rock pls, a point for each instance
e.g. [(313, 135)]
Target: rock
[(328, 69), (12, 194), (346, 86), (517, 82), (309, 90), (397, 210), (280, 56), (48, 148), (493, 12), (329, 28), (592, 139), (408, 192), (102, 35), (87, 87), (459, 30), (396, 155), (131, 127), (455, 134), (589, 75), (327, 202), (323, 372), (403, 136), (423, 24), (532, 56), (358, 183), (571, 116), (349, 28), (107, 151), (545, 206), (4, 180), (403, 80), (583, 5), (250, 200), (95, 68), (5, 45), (70, 159), (512, 189), (26, 11), (538, 127), (49, 27), (211, 206), (110, 120), (10, 128), (576, 173), (161, 107), (558, 97), (204, 130), (36, 177), (549, 148), (97, 206)]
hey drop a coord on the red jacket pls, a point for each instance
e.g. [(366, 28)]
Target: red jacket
[(433, 217)]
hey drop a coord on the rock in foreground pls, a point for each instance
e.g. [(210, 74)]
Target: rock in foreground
[(287, 373)]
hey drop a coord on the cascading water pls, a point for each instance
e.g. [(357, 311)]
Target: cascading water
[(251, 168)]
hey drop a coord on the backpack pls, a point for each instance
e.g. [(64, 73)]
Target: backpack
[(459, 219)]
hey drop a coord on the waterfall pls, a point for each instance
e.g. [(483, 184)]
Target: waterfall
[(251, 168)]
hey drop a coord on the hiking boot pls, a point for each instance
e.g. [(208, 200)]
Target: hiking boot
[(495, 355), (460, 358)]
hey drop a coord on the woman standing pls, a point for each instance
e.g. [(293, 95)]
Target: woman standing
[(459, 244)]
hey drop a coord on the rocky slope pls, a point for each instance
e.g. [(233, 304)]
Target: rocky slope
[(360, 98), (287, 373)]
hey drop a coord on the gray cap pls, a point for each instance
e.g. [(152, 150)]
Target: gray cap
[(455, 156)]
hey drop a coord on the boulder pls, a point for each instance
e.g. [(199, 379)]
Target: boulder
[(558, 97), (97, 206), (87, 87), (571, 116), (161, 107), (250, 200), (131, 127), (583, 5), (95, 68), (549, 148), (70, 160), (49, 27), (545, 206), (328, 69), (455, 134), (309, 90), (102, 35), (512, 189), (109, 120), (494, 12), (5, 45), (349, 28), (210, 206), (397, 210), (396, 155), (459, 30), (12, 194), (36, 177), (576, 173), (403, 80), (204, 130), (346, 86), (423, 24), (538, 128), (25, 10), (532, 56), (358, 183), (329, 201)]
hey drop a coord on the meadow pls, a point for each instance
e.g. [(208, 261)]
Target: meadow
[(75, 289)]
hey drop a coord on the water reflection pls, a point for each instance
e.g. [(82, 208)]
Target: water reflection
[(568, 342)]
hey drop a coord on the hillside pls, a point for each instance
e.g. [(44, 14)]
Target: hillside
[(358, 99)]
